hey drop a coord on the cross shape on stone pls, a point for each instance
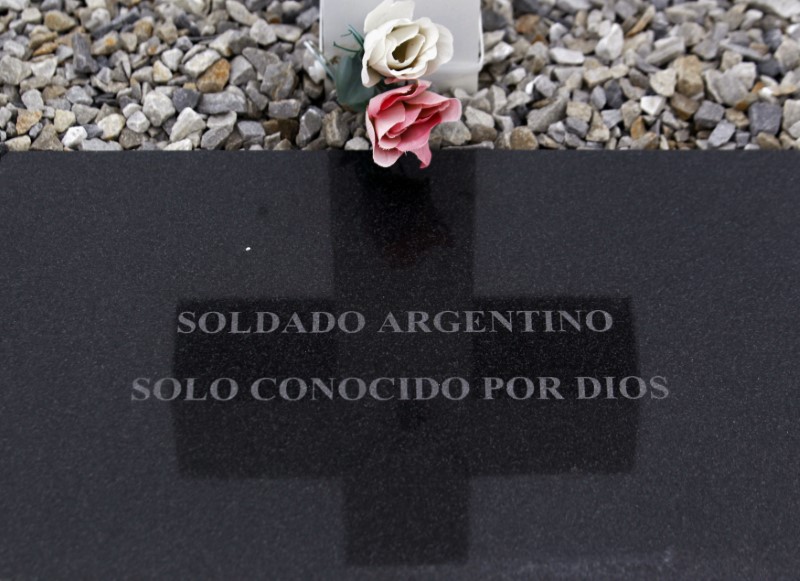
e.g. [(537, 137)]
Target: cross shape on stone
[(406, 465)]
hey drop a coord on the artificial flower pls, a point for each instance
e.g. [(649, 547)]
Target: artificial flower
[(400, 121), (398, 48)]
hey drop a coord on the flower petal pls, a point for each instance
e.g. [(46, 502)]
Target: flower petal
[(388, 118), (430, 31), (389, 142), (404, 33), (452, 112), (406, 53), (411, 116), (380, 100), (444, 49), (384, 100), (388, 10), (419, 134), (370, 131), (412, 73), (424, 155), (385, 157), (427, 99), (373, 44)]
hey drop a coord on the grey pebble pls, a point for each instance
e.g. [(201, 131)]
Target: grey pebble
[(138, 122), (611, 117), (708, 115), (5, 116), (158, 108), (726, 87), (742, 138), (47, 140), (475, 118), (257, 98), (310, 126), (13, 71), (540, 119), (100, 145), (82, 58), (791, 112), (576, 127), (722, 134), (199, 63), (335, 129), (286, 109), (93, 130), (74, 137), (251, 131), (598, 98), (228, 100), (263, 33), (279, 81), (666, 50), (78, 96), (188, 122), (183, 98), (357, 144), (455, 133), (84, 114), (33, 100), (765, 118), (241, 71)]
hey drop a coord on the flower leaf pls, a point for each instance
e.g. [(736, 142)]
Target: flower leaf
[(357, 35), (351, 92)]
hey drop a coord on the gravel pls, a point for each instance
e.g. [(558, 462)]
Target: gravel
[(231, 74)]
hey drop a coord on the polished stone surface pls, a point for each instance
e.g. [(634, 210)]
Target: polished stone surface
[(696, 258)]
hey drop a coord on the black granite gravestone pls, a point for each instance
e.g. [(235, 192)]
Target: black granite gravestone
[(111, 262)]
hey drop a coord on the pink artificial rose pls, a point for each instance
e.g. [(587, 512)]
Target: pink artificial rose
[(401, 120)]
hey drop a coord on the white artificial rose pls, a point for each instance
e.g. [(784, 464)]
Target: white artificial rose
[(395, 46)]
